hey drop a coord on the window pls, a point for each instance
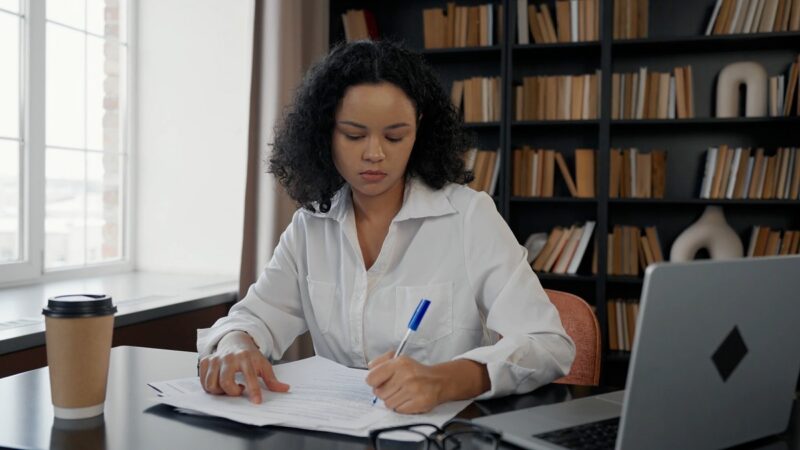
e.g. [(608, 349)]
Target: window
[(11, 143), (64, 158)]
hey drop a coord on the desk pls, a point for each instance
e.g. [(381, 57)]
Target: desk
[(154, 310), (134, 421)]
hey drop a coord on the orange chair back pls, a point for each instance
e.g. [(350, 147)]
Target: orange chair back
[(581, 325)]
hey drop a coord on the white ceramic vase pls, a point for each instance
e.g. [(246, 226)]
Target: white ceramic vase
[(754, 77), (711, 232)]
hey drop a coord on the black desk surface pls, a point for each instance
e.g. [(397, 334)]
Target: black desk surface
[(133, 420)]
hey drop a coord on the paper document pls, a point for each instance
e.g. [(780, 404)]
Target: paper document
[(324, 396)]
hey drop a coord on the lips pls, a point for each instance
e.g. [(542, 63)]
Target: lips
[(372, 175)]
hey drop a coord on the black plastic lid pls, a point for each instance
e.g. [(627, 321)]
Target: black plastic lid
[(79, 305)]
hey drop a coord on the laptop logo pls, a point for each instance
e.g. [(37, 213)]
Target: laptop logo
[(729, 354)]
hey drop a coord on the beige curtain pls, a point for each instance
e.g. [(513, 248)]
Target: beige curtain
[(288, 36)]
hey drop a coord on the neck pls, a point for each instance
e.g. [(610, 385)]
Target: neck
[(380, 208)]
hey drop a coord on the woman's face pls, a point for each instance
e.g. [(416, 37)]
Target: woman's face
[(375, 129)]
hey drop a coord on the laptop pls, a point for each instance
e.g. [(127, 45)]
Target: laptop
[(715, 363)]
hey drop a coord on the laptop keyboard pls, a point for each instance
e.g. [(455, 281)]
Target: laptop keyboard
[(595, 435)]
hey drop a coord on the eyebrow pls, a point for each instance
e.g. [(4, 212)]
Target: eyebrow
[(364, 127)]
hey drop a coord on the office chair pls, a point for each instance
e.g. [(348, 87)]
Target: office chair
[(581, 325)]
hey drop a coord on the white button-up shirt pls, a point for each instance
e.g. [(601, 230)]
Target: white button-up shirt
[(450, 246)]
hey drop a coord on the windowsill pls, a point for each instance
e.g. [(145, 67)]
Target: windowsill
[(139, 296)]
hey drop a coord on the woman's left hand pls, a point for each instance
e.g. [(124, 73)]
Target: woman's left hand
[(405, 385)]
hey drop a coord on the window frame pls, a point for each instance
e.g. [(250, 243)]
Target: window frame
[(32, 164)]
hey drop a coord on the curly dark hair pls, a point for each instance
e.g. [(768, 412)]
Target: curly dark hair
[(302, 160)]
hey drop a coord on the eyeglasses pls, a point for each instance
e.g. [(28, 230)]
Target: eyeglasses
[(455, 434)]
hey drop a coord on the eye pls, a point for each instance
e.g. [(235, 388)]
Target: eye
[(353, 137), (390, 139)]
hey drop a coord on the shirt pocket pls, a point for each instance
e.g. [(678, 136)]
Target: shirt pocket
[(323, 297), (438, 320)]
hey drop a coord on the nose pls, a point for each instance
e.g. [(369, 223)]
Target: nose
[(374, 150)]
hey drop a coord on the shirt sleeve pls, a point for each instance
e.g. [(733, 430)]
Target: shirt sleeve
[(271, 312), (534, 349)]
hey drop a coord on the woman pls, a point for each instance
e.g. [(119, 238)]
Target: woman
[(372, 150)]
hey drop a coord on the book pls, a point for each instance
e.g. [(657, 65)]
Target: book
[(587, 230), (522, 22), (714, 14), (741, 174), (757, 177), (689, 83), (723, 16), (680, 93), (794, 191), (563, 21), (708, 177), (548, 168), (655, 243), (731, 182), (611, 308), (735, 19), (644, 168), (750, 16), (533, 22), (558, 249), (562, 167), (659, 173), (584, 172), (495, 173), (615, 172), (722, 156), (644, 246), (548, 22), (573, 21), (552, 239), (751, 246), (569, 251)]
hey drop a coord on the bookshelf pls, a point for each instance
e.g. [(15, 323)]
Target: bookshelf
[(676, 38)]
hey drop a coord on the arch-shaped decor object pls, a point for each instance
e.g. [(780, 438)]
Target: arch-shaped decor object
[(711, 232), (754, 77)]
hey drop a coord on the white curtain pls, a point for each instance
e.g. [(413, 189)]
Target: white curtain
[(289, 36)]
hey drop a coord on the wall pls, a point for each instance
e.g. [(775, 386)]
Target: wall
[(192, 91)]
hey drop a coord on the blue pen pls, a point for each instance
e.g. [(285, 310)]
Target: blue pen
[(413, 324)]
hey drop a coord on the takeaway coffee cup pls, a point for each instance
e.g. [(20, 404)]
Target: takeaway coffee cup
[(78, 330)]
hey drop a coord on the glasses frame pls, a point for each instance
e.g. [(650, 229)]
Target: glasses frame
[(440, 436)]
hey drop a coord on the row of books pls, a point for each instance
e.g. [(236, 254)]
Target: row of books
[(635, 174), (622, 314), (653, 95), (576, 21), (754, 16), (485, 167), (630, 19), (534, 172), (480, 97), (784, 98), (765, 241), (462, 26), (359, 24), (564, 249), (558, 97), (739, 173), (629, 250)]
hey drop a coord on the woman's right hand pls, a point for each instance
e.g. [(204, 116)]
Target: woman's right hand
[(236, 352)]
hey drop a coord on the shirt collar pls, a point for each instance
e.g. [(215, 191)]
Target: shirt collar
[(419, 201)]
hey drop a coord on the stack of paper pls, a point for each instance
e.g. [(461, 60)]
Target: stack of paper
[(324, 396)]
